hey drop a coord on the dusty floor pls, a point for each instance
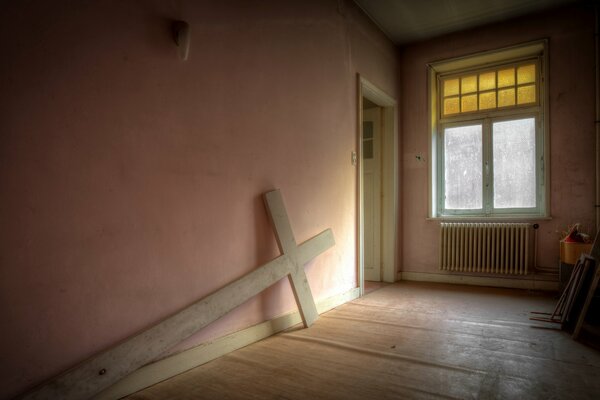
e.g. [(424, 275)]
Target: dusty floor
[(373, 286), (406, 341)]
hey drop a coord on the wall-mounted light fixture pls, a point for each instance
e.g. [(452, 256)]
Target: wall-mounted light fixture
[(181, 35)]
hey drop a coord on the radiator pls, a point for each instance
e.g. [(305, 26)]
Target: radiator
[(495, 248)]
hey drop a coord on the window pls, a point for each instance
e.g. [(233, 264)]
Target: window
[(503, 87), (488, 135)]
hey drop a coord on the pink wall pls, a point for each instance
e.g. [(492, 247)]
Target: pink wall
[(571, 51), (131, 182)]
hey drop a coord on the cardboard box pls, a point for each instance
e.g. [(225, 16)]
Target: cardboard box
[(571, 251)]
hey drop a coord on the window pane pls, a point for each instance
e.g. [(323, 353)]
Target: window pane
[(506, 97), (468, 103), (450, 87), (487, 100), (526, 74), (468, 84), (462, 167), (514, 163), (487, 81), (367, 129), (451, 106), (506, 77), (526, 94)]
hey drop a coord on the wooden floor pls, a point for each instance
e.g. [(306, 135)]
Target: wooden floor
[(406, 341)]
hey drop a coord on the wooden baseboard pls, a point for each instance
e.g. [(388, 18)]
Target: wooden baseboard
[(186, 360), (533, 284)]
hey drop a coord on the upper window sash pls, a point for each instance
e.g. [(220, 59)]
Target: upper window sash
[(497, 89)]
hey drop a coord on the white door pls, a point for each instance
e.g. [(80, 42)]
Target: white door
[(372, 192)]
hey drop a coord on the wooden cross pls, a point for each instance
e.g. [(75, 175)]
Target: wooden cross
[(107, 368)]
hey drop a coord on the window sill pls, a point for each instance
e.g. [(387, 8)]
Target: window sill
[(483, 218)]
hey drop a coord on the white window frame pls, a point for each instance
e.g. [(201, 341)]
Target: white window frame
[(479, 63)]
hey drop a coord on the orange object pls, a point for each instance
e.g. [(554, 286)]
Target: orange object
[(571, 251)]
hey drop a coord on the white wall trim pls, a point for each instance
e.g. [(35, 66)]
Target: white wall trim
[(493, 281), (389, 181), (208, 351)]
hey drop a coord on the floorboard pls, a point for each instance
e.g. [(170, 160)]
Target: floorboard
[(406, 341)]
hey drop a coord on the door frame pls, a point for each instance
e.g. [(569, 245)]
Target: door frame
[(389, 181)]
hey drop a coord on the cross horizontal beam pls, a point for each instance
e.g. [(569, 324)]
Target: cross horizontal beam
[(107, 368)]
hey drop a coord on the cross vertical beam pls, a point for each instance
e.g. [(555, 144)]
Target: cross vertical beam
[(287, 245)]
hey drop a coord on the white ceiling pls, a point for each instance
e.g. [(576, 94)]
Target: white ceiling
[(406, 21)]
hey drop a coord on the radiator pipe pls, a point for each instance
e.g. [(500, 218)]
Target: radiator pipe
[(597, 120), (535, 246)]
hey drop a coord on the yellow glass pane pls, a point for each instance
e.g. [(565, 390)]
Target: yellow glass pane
[(468, 84), (506, 77), (487, 81), (526, 94), (451, 106), (487, 100), (450, 87), (526, 74), (506, 97), (468, 103)]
